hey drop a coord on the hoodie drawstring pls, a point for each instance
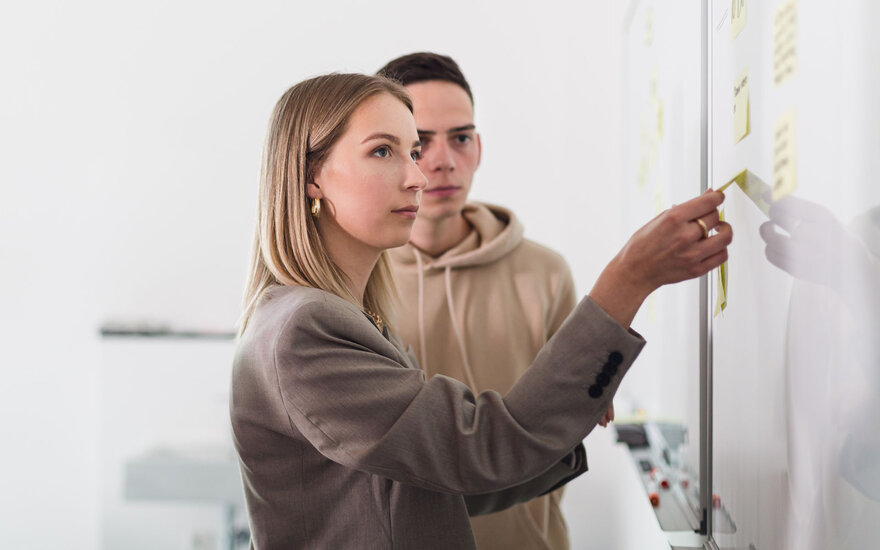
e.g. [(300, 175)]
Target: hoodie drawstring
[(423, 355), (455, 327)]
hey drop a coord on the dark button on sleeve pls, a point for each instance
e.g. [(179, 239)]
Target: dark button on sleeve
[(595, 391), (609, 369), (603, 379), (615, 358)]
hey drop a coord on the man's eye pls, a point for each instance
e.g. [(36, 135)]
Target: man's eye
[(416, 155), (462, 138), (382, 152)]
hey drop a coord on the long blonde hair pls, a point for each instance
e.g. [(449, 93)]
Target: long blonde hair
[(305, 124)]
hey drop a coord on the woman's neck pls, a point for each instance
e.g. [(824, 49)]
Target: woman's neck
[(354, 258)]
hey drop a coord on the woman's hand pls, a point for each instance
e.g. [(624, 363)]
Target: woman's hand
[(672, 247)]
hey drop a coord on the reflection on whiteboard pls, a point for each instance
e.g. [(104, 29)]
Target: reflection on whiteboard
[(796, 357)]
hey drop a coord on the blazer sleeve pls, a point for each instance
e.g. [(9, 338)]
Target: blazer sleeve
[(361, 406), (555, 478)]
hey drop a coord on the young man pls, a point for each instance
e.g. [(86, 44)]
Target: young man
[(475, 295)]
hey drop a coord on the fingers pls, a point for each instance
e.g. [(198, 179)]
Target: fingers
[(719, 241), (700, 206), (608, 417), (710, 221), (713, 261)]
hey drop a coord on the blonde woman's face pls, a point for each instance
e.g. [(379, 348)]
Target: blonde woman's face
[(370, 184)]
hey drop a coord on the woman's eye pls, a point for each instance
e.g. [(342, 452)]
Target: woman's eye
[(416, 155), (382, 152)]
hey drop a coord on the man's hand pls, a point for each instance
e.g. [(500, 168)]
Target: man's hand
[(609, 416)]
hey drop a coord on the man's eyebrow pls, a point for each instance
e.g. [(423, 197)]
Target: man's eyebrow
[(455, 130), (381, 135), (464, 128)]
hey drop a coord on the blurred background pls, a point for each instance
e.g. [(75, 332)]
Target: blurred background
[(130, 138), (130, 141)]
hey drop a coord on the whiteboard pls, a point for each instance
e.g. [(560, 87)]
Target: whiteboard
[(795, 355), (796, 405)]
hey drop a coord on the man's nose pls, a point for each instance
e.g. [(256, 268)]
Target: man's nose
[(441, 157)]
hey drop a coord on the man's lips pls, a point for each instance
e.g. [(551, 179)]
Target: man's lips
[(443, 191)]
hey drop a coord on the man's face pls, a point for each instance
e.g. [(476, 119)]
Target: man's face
[(451, 146)]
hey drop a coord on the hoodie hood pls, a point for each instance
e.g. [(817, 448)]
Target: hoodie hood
[(495, 233)]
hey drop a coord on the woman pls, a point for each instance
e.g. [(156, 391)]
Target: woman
[(342, 441)]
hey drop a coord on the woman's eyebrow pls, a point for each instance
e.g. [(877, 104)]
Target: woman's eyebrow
[(390, 137), (382, 135)]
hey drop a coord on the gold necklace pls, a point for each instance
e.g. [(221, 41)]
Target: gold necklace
[(376, 319)]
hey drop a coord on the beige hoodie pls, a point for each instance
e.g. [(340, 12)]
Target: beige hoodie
[(480, 313)]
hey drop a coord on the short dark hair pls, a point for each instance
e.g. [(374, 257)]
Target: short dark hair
[(424, 66)]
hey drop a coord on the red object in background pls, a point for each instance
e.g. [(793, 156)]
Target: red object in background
[(664, 484), (655, 499), (716, 501)]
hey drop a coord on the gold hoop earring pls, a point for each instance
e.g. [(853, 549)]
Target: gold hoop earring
[(316, 208)]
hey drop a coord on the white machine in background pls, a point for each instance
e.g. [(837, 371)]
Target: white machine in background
[(169, 476)]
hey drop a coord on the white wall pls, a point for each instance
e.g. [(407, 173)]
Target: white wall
[(130, 135)]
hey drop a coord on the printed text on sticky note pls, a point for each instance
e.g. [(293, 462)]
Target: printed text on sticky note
[(784, 156), (741, 126), (785, 42)]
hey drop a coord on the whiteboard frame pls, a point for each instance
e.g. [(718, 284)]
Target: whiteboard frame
[(705, 302)]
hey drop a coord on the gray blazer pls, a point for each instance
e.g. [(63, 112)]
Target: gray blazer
[(344, 444)]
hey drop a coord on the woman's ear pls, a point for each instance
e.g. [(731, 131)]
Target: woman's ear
[(313, 190)]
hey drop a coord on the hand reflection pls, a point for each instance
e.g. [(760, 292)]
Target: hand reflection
[(819, 249), (833, 356)]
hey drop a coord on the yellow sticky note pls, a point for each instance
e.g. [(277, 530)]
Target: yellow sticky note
[(724, 187), (721, 277), (754, 188), (741, 126), (784, 156), (659, 118), (737, 17), (785, 42), (721, 293)]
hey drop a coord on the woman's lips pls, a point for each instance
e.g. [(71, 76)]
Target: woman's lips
[(407, 211)]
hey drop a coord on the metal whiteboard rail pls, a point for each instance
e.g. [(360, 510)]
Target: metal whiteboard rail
[(705, 318)]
